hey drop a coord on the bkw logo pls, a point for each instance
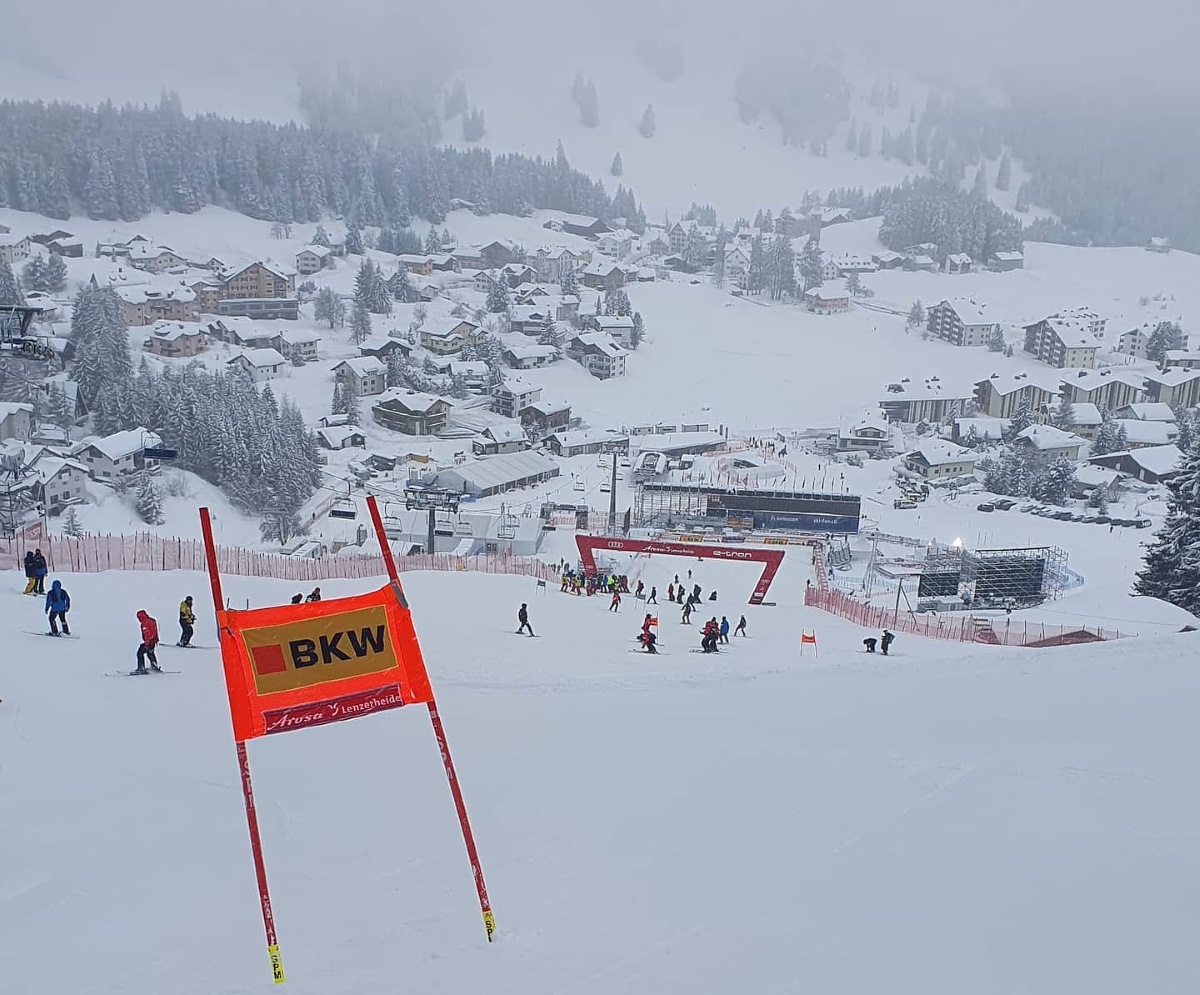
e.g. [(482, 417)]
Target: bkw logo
[(337, 647)]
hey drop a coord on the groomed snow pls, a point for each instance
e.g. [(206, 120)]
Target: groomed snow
[(951, 819)]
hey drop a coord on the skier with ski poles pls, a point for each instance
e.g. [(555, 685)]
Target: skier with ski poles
[(187, 622), (149, 642)]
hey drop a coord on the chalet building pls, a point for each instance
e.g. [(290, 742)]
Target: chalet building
[(64, 482), (14, 248), (176, 340), (553, 262), (496, 439), (417, 264), (1003, 396), (1106, 388), (961, 322), (957, 263), (209, 291), (154, 258), (598, 354), (448, 335), (312, 259), (411, 412), (603, 274), (1152, 465), (529, 357), (122, 452), (341, 437), (146, 305), (500, 252), (1062, 342), (867, 433), (1147, 411), (1178, 388), (61, 243), (16, 421), (615, 244), (577, 224), (260, 364), (827, 299), (512, 395), (242, 332), (937, 459), (260, 281), (546, 416), (382, 347), (585, 442), (618, 327), (1051, 442), (1181, 359), (1003, 262), (298, 345), (364, 375)]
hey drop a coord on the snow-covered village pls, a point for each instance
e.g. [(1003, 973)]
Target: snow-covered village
[(827, 436)]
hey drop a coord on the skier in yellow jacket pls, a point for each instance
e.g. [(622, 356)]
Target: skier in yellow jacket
[(187, 622)]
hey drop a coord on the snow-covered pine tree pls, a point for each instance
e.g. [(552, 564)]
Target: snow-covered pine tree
[(617, 167), (33, 275), (1167, 335), (616, 302), (589, 106), (812, 264), (1171, 570), (916, 315), (354, 240), (854, 284), (328, 306), (351, 402), (996, 341), (401, 285), (647, 126), (498, 298), (360, 323), (56, 274), (10, 291), (321, 236), (148, 501), (1004, 172), (638, 332), (1054, 481), (1022, 418), (781, 267), (70, 523), (569, 285), (1022, 202), (979, 189), (395, 369), (1110, 436), (433, 242), (1063, 416), (756, 271), (720, 250)]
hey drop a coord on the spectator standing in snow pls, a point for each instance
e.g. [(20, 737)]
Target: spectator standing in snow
[(724, 629), (30, 576), (39, 572), (885, 641), (523, 618)]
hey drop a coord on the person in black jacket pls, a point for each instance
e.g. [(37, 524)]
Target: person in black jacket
[(523, 618), (30, 577), (39, 572), (885, 641)]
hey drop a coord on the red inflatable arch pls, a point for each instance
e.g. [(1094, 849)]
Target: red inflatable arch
[(770, 558)]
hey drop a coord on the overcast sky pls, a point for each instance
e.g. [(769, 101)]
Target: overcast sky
[(1092, 46)]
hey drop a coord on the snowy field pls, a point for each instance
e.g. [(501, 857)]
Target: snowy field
[(957, 819)]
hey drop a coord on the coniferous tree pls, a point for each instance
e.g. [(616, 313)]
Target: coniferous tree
[(996, 341), (321, 237), (328, 306), (756, 272), (498, 298), (1110, 436), (916, 315), (401, 285), (56, 274), (864, 140), (1022, 418), (70, 524), (638, 332), (1022, 202), (1004, 172), (781, 267), (33, 275), (569, 284), (354, 240), (1167, 335), (720, 250), (360, 322), (979, 189), (337, 405), (648, 126), (616, 303), (617, 167), (1171, 571), (1062, 416), (10, 291), (149, 501), (812, 265)]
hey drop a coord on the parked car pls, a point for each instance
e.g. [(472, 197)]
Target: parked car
[(904, 504), (986, 506), (1004, 504)]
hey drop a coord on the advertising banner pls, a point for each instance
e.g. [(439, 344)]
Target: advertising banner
[(291, 666)]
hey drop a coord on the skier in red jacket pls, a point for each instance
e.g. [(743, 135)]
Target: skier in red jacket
[(149, 641)]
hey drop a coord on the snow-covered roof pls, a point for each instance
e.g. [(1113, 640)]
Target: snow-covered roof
[(335, 436), (601, 267), (1174, 377), (960, 259), (829, 292), (1009, 256), (528, 312), (261, 358), (299, 336), (1073, 333), (507, 432), (1173, 356), (363, 366), (608, 322), (531, 351), (1011, 383), (927, 389), (172, 330), (8, 408), (556, 251), (147, 250), (141, 293), (1148, 433), (852, 424), (601, 342), (1087, 414), (120, 445), (586, 437), (1159, 460), (970, 312), (413, 400), (515, 385), (939, 452), (547, 408), (506, 468), (1151, 411), (320, 251), (468, 368), (1089, 380), (441, 328), (1048, 437)]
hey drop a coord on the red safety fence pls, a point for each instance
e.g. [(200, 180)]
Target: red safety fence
[(961, 628), (93, 554)]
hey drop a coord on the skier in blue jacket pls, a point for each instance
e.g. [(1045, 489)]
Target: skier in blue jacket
[(58, 603)]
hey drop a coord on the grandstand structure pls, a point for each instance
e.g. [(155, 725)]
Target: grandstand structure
[(686, 504), (994, 578)]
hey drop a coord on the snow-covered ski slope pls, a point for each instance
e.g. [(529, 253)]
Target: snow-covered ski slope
[(950, 819)]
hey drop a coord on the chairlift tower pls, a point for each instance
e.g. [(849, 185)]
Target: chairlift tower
[(433, 500)]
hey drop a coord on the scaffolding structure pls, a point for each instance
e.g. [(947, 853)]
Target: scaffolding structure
[(994, 578)]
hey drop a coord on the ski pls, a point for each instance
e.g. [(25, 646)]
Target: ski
[(530, 635), (644, 653), (60, 635), (134, 673)]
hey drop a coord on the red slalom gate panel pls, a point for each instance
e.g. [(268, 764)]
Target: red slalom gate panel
[(770, 558)]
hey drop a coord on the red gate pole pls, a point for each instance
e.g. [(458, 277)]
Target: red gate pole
[(439, 732), (260, 868)]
